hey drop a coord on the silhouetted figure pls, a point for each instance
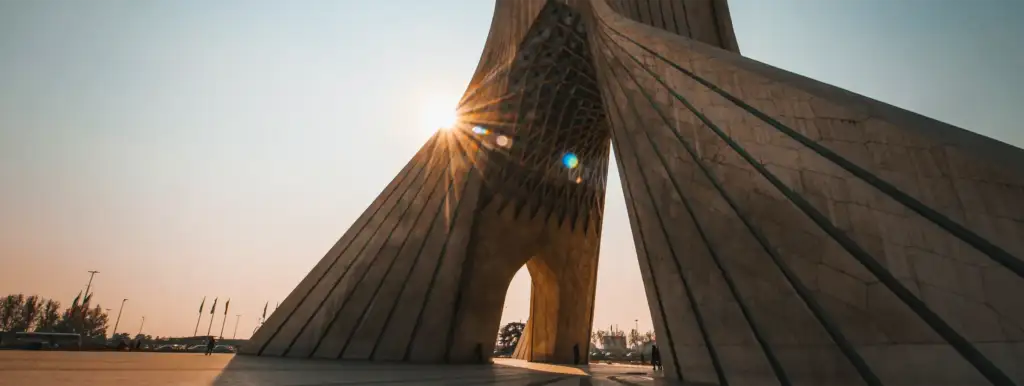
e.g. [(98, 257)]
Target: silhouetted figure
[(210, 345), (479, 352), (576, 354), (655, 357)]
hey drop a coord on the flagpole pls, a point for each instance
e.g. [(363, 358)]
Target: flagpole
[(72, 310), (196, 331), (208, 328), (213, 315), (264, 317), (224, 320)]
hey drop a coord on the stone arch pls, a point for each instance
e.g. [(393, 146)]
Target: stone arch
[(540, 335), (787, 231)]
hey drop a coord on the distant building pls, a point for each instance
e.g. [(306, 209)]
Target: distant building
[(614, 344), (645, 348)]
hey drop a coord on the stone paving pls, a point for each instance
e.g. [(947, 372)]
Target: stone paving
[(23, 368)]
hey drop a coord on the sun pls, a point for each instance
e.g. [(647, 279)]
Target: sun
[(439, 113)]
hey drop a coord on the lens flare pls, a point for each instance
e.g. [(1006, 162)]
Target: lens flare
[(570, 160), (503, 141)]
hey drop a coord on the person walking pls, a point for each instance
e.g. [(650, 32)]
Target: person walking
[(210, 344), (655, 357)]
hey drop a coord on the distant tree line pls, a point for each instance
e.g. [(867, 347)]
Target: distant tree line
[(20, 313), (510, 334)]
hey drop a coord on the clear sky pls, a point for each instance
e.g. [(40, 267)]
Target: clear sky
[(196, 148)]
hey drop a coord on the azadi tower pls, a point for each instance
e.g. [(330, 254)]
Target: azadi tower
[(787, 231)]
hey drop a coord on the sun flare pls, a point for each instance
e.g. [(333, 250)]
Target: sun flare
[(439, 114)]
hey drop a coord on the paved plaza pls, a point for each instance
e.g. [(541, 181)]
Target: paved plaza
[(41, 368)]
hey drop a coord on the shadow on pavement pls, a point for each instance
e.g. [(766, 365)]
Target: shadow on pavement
[(263, 371)]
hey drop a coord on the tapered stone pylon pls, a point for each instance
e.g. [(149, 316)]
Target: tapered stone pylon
[(787, 231)]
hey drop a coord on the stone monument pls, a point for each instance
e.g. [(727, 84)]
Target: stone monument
[(787, 231)]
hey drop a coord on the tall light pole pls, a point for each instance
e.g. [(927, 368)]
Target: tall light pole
[(140, 326), (118, 317), (237, 317), (80, 323), (91, 274)]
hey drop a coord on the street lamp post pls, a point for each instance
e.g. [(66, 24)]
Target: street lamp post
[(237, 317), (118, 318), (140, 326), (91, 274), (81, 322)]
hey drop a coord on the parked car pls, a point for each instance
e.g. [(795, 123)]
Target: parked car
[(196, 348), (223, 349)]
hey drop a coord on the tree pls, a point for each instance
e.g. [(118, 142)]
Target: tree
[(648, 337), (94, 322), (27, 314), (510, 334), (34, 313), (635, 339), (49, 316), (10, 311), (88, 322), (70, 319), (598, 337)]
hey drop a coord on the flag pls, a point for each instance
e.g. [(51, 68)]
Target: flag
[(85, 302), (74, 304), (203, 303), (214, 306), (265, 310), (226, 305)]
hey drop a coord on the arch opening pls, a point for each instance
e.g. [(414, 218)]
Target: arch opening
[(542, 195)]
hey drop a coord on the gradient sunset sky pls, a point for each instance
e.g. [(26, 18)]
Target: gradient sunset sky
[(194, 148)]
